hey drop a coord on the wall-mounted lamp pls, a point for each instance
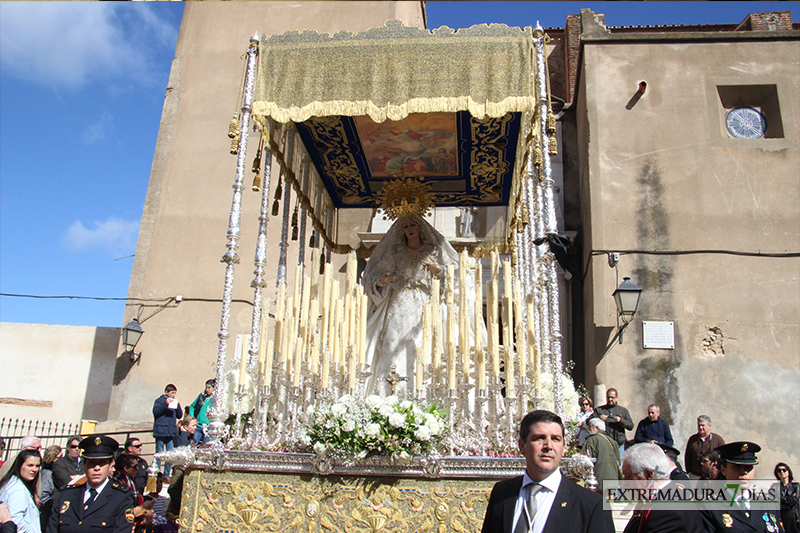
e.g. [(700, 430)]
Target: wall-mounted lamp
[(627, 299), (131, 334)]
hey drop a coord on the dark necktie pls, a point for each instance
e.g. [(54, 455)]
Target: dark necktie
[(92, 497), (528, 513)]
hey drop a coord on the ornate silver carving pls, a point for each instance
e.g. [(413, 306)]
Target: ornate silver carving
[(217, 415)]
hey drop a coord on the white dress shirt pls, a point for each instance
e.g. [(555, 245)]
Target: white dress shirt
[(544, 500)]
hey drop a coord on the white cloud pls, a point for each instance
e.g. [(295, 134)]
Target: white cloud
[(99, 130), (114, 235), (66, 44)]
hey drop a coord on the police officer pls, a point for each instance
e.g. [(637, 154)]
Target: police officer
[(737, 460), (99, 503)]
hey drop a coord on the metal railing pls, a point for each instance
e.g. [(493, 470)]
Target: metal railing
[(13, 430)]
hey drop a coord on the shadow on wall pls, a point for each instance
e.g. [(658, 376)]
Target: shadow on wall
[(101, 372), (746, 400)]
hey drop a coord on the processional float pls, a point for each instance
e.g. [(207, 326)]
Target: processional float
[(318, 101)]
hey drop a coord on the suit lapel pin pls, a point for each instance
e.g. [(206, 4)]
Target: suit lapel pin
[(564, 504)]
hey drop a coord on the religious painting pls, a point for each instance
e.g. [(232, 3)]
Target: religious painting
[(422, 144)]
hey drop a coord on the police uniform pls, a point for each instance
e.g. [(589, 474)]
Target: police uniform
[(111, 510), (741, 520)]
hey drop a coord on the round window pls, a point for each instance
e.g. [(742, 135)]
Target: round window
[(746, 123)]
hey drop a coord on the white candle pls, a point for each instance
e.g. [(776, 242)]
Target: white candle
[(243, 359), (314, 273), (298, 362), (436, 322), (418, 375), (326, 304), (362, 328), (480, 356), (268, 362), (312, 336), (426, 334), (463, 313), (520, 332), (262, 335)]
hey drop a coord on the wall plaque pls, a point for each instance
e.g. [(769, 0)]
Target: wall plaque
[(658, 334)]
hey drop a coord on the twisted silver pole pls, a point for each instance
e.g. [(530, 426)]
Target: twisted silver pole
[(550, 223), (216, 427)]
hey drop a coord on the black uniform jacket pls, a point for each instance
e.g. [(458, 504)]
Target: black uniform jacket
[(736, 520), (666, 521), (112, 511), (574, 510)]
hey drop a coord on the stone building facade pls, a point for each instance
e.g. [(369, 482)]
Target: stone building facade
[(705, 223)]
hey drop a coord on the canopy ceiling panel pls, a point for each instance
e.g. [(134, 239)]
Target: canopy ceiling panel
[(450, 107)]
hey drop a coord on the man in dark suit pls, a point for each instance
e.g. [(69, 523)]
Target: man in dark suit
[(647, 462), (102, 504), (541, 500), (70, 467), (737, 460)]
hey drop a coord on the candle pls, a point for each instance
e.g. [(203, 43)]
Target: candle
[(463, 312), (336, 331), (352, 374), (494, 332), (332, 324), (451, 346), (349, 294), (326, 304), (288, 337), (418, 375), (298, 362), (436, 322), (362, 325), (480, 356), (303, 316), (326, 369), (314, 273), (426, 334), (243, 359), (508, 344), (449, 282), (268, 363), (313, 352)]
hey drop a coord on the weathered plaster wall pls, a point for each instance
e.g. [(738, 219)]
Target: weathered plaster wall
[(56, 373), (186, 212), (662, 174)]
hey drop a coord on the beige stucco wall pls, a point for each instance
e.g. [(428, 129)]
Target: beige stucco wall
[(663, 175), (185, 218), (56, 373)]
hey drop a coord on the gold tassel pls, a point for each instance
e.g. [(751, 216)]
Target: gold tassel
[(233, 133), (257, 171), (537, 154), (276, 204), (525, 219), (233, 127), (551, 123), (553, 148)]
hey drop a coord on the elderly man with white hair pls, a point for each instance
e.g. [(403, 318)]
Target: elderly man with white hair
[(647, 462), (605, 452)]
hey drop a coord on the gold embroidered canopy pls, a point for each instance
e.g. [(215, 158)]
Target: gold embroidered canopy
[(451, 108)]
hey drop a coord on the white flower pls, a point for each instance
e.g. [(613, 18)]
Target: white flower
[(373, 430), (338, 409), (386, 410), (423, 433), (404, 456), (434, 426), (319, 448), (391, 400), (406, 404), (397, 420), (374, 401), (349, 426)]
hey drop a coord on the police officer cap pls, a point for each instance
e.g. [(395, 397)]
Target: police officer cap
[(668, 448), (98, 447), (739, 453)]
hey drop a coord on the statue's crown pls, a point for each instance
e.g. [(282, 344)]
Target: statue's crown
[(404, 197)]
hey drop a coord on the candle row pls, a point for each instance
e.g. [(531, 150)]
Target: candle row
[(323, 325)]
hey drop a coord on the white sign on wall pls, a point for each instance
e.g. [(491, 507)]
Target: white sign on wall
[(658, 334)]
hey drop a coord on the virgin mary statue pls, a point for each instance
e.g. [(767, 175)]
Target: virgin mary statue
[(399, 275)]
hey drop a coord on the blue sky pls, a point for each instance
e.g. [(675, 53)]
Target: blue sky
[(81, 90)]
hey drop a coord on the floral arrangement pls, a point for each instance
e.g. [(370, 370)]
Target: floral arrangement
[(356, 427)]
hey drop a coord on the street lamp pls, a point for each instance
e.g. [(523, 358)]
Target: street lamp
[(627, 299), (131, 334)]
